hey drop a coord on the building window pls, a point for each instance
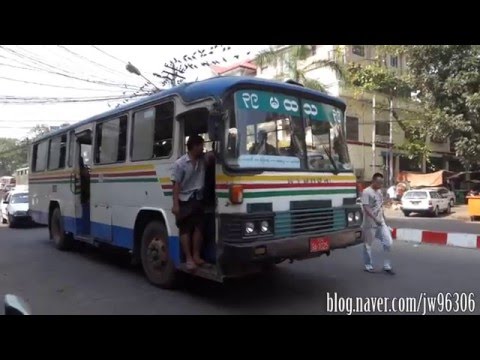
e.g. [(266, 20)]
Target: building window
[(438, 140), (435, 164), (407, 164), (111, 141), (382, 128), (455, 165), (352, 128), (314, 49), (394, 61), (358, 50), (153, 132)]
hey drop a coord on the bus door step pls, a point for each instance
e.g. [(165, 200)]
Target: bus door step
[(206, 271)]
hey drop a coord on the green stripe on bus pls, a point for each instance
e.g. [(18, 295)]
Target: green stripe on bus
[(261, 194)]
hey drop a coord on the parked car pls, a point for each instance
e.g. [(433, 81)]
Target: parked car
[(16, 209), (425, 201), (444, 191)]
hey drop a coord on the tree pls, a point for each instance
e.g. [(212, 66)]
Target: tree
[(378, 79), (39, 130), (447, 78), (291, 57), (13, 154)]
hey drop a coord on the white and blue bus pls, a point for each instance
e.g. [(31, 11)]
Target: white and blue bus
[(283, 187)]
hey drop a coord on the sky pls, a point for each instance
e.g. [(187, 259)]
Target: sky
[(80, 72)]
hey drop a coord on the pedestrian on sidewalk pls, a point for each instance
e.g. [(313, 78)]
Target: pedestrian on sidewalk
[(374, 226)]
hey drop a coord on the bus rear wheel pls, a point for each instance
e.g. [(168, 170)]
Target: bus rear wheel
[(156, 261), (62, 240)]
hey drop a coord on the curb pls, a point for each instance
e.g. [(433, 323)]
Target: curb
[(471, 241)]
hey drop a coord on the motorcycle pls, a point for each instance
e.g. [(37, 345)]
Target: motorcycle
[(15, 305)]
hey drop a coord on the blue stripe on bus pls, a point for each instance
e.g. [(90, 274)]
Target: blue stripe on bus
[(122, 237)]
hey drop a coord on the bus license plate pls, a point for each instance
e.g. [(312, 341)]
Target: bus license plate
[(319, 244)]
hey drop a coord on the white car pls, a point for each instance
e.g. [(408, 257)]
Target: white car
[(425, 201), (15, 208), (444, 191)]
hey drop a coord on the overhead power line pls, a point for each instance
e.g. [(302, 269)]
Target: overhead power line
[(109, 55), (115, 72), (56, 86), (5, 99), (65, 73)]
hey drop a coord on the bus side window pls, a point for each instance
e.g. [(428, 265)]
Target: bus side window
[(153, 132), (39, 157), (57, 152), (111, 140)]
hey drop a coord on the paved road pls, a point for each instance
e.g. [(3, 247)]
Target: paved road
[(396, 219), (93, 282)]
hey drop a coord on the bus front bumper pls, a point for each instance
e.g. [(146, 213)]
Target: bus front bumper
[(287, 248)]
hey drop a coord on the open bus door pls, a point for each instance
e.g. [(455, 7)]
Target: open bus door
[(81, 180)]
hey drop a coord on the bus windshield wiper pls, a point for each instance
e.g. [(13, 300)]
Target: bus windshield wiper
[(330, 157)]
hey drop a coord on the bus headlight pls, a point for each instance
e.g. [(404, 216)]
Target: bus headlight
[(249, 228), (264, 226), (358, 216), (350, 217)]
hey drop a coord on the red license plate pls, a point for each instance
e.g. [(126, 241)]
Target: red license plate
[(319, 244)]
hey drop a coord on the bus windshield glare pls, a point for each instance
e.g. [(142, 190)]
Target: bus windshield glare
[(272, 131)]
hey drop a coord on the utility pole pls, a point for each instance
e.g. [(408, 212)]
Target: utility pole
[(390, 145), (374, 130), (173, 74)]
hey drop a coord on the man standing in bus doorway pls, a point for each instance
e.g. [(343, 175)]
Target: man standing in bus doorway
[(188, 179), (374, 226)]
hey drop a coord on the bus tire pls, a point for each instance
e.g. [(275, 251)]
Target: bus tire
[(62, 240), (156, 261)]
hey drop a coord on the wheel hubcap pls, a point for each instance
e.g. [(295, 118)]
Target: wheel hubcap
[(157, 253)]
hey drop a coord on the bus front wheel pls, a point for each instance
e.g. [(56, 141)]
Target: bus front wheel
[(157, 264), (62, 240)]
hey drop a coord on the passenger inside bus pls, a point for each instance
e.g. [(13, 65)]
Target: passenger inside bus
[(262, 147)]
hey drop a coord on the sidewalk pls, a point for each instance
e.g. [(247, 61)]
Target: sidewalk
[(408, 229)]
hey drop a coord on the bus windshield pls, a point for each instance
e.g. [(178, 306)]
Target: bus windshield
[(272, 131)]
